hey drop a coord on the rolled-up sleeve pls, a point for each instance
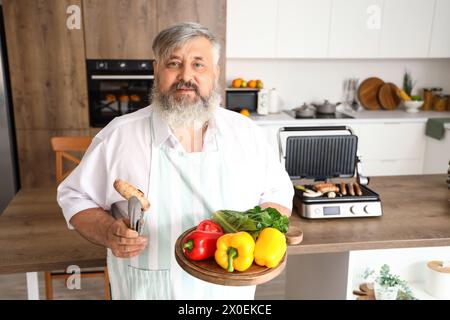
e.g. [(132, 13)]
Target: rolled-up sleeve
[(84, 188), (278, 185)]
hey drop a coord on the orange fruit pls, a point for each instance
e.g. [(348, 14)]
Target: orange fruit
[(251, 84), (236, 83), (259, 84), (245, 112)]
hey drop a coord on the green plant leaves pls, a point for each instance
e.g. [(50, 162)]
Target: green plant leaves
[(252, 220)]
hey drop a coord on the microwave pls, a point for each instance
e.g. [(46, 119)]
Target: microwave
[(254, 100)]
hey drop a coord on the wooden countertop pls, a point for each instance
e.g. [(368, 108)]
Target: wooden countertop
[(34, 236), (416, 213)]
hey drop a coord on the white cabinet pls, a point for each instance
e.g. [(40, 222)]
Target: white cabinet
[(391, 148), (440, 35), (437, 154), (251, 28), (338, 28), (302, 29), (406, 28), (355, 28)]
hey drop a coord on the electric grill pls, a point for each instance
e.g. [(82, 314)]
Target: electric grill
[(326, 154)]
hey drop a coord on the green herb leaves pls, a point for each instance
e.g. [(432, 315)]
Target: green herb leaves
[(251, 221)]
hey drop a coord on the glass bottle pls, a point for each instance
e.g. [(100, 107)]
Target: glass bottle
[(439, 103), (427, 99)]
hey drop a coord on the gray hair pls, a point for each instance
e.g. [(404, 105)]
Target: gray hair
[(177, 35)]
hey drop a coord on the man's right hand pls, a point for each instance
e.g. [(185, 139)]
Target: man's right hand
[(123, 241)]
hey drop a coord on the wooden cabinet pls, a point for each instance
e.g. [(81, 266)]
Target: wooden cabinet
[(303, 28), (406, 28), (48, 81), (122, 29), (440, 38), (119, 29), (251, 28), (354, 32), (47, 65)]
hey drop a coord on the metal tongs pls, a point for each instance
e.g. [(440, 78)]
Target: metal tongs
[(133, 208), (136, 214), (130, 209)]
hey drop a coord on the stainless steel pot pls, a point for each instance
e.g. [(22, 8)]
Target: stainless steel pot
[(305, 111), (326, 107)]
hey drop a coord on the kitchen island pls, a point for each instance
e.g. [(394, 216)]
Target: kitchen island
[(35, 237), (416, 217)]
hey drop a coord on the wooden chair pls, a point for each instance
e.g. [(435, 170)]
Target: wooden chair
[(63, 146)]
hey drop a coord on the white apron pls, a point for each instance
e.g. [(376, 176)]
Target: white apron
[(184, 188)]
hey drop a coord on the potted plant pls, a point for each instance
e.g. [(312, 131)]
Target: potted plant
[(387, 286)]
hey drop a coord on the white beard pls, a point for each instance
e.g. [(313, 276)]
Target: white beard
[(185, 112)]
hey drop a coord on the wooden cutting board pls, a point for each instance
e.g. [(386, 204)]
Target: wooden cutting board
[(388, 97), (368, 93), (208, 270)]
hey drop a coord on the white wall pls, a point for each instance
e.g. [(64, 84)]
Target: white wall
[(308, 80)]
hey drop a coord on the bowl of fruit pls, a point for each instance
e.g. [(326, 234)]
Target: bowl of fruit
[(411, 103), (414, 104)]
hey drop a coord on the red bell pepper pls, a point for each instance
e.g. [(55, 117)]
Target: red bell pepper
[(209, 225), (200, 244)]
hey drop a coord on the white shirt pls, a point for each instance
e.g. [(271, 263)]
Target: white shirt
[(122, 150)]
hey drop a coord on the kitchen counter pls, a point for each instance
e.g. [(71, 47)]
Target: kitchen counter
[(35, 237), (416, 213), (365, 116)]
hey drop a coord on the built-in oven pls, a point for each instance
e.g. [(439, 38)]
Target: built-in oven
[(117, 87)]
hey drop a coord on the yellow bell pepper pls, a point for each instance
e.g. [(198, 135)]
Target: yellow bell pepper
[(235, 251), (270, 247)]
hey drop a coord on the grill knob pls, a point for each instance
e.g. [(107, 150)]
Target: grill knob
[(370, 209), (356, 209), (122, 65)]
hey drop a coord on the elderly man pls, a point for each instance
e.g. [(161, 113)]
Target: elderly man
[(189, 156)]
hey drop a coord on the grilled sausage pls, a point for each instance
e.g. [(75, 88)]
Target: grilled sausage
[(343, 189), (325, 187), (351, 191), (357, 189)]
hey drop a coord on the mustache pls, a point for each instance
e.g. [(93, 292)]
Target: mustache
[(184, 85)]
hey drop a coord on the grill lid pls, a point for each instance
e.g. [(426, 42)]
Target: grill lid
[(321, 157)]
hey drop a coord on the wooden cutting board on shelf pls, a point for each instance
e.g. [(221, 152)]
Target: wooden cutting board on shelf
[(208, 270), (388, 97), (368, 93)]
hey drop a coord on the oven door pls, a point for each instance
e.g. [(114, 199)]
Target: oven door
[(111, 96)]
